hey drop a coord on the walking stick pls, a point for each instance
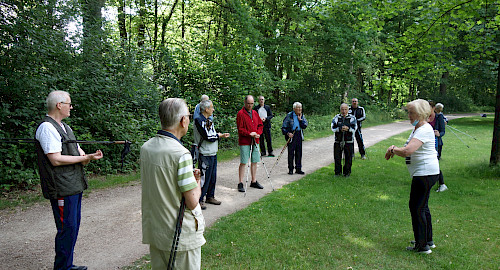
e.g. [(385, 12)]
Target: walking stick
[(459, 138), (268, 173), (125, 151), (282, 151), (461, 132), (178, 229)]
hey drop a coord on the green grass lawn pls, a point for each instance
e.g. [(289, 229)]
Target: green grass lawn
[(363, 222)]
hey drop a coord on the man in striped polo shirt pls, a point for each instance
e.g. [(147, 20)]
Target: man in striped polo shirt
[(167, 176)]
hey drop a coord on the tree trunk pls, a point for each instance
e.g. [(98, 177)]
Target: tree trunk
[(121, 21), (141, 28), (92, 27), (165, 23), (156, 26), (444, 83), (495, 143), (183, 29)]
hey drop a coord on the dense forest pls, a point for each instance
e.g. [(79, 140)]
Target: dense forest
[(119, 58)]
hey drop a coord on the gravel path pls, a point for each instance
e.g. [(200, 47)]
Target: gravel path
[(110, 233)]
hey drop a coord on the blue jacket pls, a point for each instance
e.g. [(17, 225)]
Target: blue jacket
[(287, 126), (441, 127)]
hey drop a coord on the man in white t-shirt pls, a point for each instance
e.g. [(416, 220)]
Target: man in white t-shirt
[(60, 163), (265, 115)]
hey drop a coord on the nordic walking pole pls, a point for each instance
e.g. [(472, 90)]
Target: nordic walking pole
[(282, 151), (461, 132), (178, 229), (248, 171), (459, 138), (268, 174)]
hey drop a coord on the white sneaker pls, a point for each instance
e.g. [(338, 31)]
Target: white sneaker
[(442, 188)]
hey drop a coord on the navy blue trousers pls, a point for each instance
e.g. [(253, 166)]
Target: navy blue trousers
[(208, 166), (295, 152), (67, 215), (266, 136), (359, 140), (419, 208)]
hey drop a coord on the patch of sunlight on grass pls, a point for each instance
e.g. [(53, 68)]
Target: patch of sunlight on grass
[(359, 241), (383, 197)]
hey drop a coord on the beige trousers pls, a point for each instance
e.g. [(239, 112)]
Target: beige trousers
[(184, 260)]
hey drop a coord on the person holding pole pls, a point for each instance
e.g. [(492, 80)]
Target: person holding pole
[(168, 180), (250, 128), (358, 112), (421, 159), (293, 128), (207, 140), (265, 115), (63, 180), (344, 126)]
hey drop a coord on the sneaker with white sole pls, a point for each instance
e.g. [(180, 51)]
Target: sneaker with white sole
[(430, 243), (422, 250), (442, 188)]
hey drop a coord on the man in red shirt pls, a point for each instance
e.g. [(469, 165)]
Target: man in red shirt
[(250, 127)]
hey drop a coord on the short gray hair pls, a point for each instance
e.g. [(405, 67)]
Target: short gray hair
[(296, 104), (204, 97), (343, 105), (439, 106), (171, 111), (205, 104), (55, 97)]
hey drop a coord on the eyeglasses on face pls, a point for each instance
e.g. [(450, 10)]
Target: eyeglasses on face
[(69, 103)]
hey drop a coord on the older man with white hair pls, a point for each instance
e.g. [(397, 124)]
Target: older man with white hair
[(167, 176), (344, 126), (207, 139), (293, 128), (60, 164)]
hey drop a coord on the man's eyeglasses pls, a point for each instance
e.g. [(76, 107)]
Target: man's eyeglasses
[(70, 104)]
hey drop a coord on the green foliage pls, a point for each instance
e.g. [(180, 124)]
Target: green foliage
[(320, 54)]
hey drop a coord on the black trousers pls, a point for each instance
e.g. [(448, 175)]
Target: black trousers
[(295, 152), (419, 208), (337, 156), (266, 135), (359, 140)]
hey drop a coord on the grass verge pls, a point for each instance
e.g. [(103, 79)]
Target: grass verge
[(363, 222)]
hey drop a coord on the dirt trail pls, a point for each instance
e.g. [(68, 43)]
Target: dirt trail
[(110, 233)]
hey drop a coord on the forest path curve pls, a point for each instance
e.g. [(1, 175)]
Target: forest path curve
[(110, 233)]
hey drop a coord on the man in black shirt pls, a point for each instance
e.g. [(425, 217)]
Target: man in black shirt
[(359, 113)]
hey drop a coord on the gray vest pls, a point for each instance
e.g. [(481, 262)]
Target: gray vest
[(65, 180)]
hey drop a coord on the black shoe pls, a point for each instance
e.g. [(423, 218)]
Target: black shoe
[(347, 175), (290, 172), (299, 172), (262, 154), (74, 267), (422, 250), (430, 243), (271, 154), (256, 185), (241, 188)]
